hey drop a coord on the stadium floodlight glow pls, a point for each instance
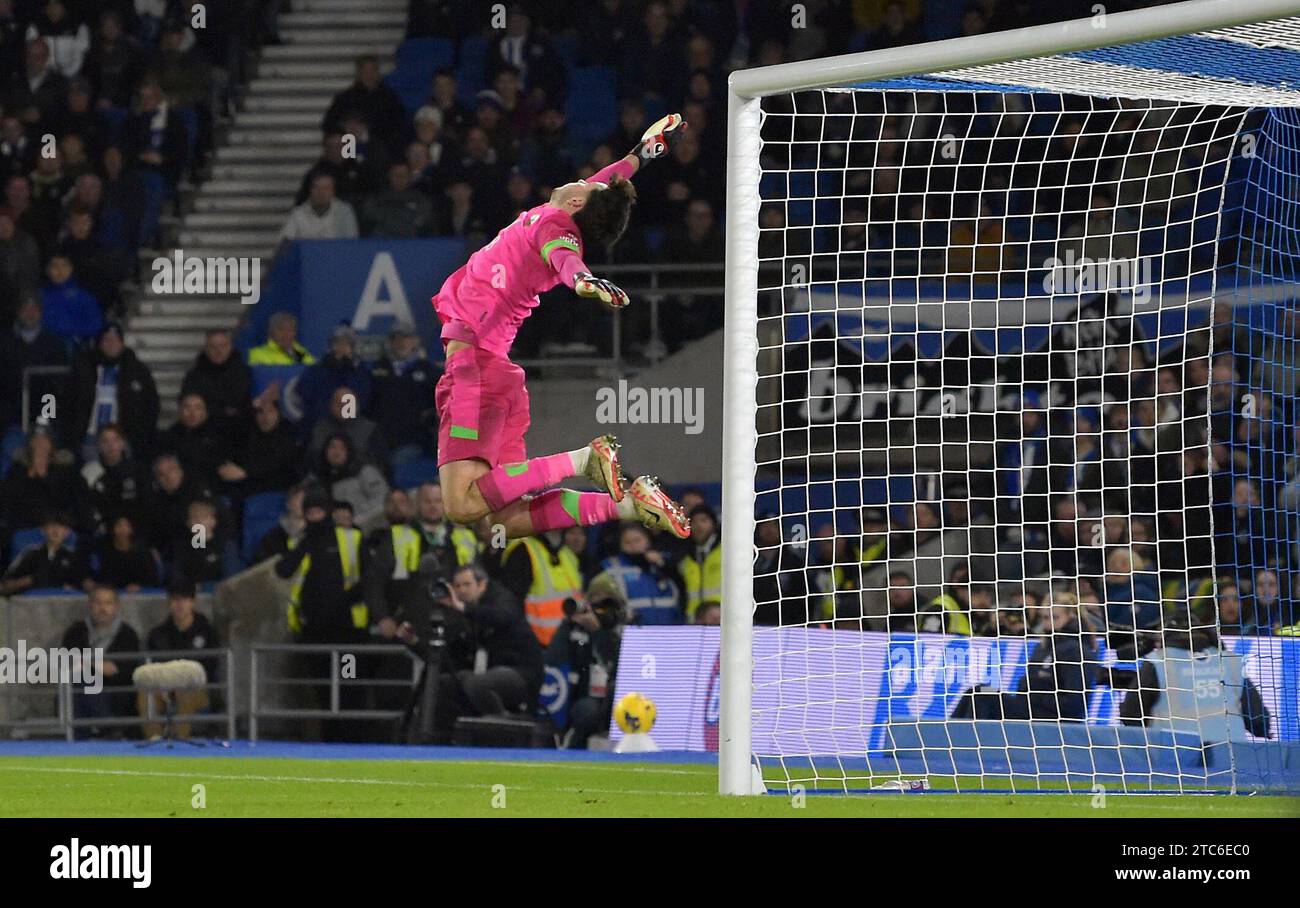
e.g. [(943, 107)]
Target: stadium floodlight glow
[(985, 189)]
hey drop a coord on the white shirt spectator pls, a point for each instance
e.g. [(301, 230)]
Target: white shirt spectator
[(337, 222)]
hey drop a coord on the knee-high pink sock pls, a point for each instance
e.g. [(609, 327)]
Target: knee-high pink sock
[(510, 481), (562, 508)]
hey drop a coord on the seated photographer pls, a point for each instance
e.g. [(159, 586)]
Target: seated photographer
[(1193, 686), (511, 657), (586, 647), (1061, 670)]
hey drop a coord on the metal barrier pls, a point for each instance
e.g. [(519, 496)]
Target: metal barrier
[(66, 723), (257, 677), (646, 285)]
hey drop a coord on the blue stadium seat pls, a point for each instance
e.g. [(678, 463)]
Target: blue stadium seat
[(413, 472), (261, 512), (592, 106), (14, 438), (471, 68), (33, 536), (416, 61)]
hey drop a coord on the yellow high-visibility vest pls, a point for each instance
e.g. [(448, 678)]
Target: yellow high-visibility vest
[(466, 545), (703, 581), (406, 551), (555, 578), (350, 557), (270, 354)]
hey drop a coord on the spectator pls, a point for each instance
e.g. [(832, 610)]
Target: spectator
[(545, 156), (82, 122), (1263, 610), (51, 563), (123, 562), (111, 385), (67, 38), (443, 97), (655, 58), (205, 551), (642, 577), (156, 146), (372, 100), (122, 219), (115, 483), (170, 503), (347, 478), (398, 211), (1062, 669), (1132, 603), (515, 668), (29, 345), (281, 347), (460, 216), (184, 74), (225, 383), (269, 458), (700, 569), (194, 440), (353, 177), (344, 418), (322, 216), (18, 199), (11, 39), (185, 629), (530, 55), (37, 94), (951, 611), (587, 646), (480, 167), (1229, 608), (113, 62), (17, 151), (94, 266), (902, 603), (288, 529), (20, 260), (340, 368), (104, 629), (402, 401), (71, 311), (41, 481), (780, 587), (452, 545)]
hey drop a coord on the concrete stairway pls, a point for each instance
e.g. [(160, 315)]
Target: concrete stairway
[(241, 206)]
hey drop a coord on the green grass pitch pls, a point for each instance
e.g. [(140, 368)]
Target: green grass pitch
[(157, 786)]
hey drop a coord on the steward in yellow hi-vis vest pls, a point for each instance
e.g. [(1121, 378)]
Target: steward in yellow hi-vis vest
[(543, 572), (701, 567), (325, 601)]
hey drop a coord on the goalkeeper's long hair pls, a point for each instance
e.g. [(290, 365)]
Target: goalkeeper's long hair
[(604, 218)]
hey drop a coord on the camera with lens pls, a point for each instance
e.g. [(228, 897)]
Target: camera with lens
[(609, 611)]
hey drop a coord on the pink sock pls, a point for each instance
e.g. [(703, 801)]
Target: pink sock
[(561, 508), (510, 481)]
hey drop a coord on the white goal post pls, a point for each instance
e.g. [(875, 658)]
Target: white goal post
[(972, 64)]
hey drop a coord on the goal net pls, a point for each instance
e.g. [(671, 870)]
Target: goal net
[(1011, 414)]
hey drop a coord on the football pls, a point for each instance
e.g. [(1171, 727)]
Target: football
[(635, 713)]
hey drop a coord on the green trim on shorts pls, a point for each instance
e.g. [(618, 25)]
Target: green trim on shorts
[(516, 469), (564, 241), (464, 432), (570, 501)]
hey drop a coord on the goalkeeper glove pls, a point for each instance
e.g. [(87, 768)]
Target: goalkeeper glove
[(655, 140), (591, 287)]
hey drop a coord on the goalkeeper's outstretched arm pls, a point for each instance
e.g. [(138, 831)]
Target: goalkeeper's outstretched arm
[(655, 142)]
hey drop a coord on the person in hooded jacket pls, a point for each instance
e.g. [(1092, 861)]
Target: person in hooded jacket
[(347, 478), (109, 384)]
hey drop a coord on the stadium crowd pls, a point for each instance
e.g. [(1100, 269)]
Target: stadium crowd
[(130, 94)]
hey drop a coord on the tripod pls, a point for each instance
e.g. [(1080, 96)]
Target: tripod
[(168, 736), (422, 704)]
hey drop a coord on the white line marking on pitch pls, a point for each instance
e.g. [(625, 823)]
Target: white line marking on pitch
[(198, 774)]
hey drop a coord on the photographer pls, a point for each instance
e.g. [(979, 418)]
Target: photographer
[(513, 674), (586, 647)]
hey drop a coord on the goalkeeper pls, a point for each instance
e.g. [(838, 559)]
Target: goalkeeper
[(481, 399)]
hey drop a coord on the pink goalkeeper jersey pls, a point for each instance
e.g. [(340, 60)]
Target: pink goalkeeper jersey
[(485, 301)]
